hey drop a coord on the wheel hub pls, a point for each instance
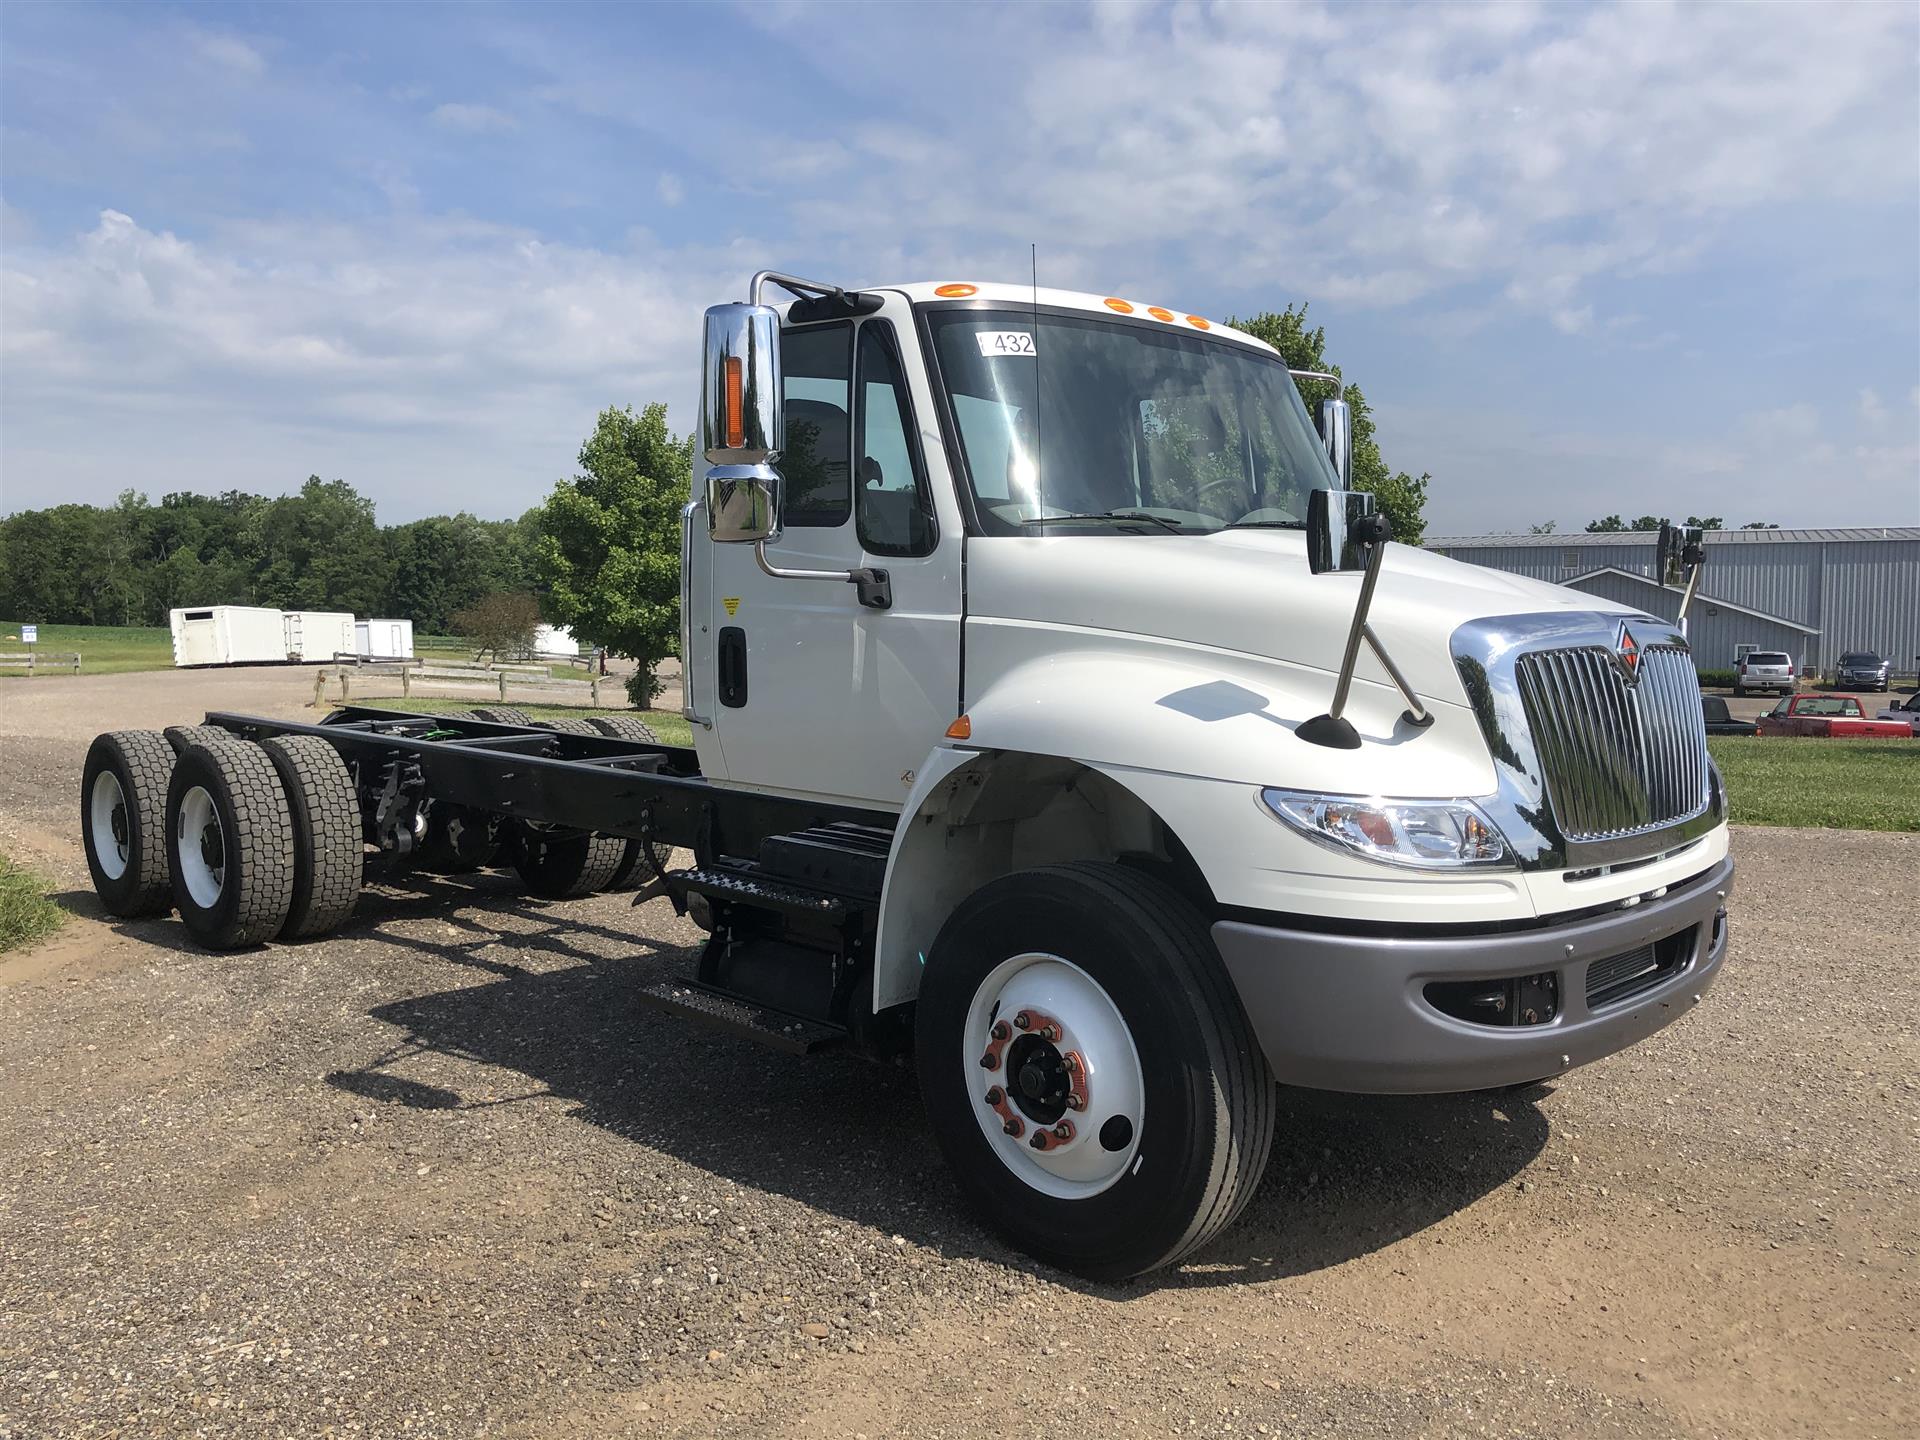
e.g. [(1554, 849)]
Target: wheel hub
[(1063, 1093)]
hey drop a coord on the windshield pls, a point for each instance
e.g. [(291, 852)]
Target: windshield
[(1859, 657), (1089, 425)]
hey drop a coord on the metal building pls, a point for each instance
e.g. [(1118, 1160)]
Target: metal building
[(1811, 593)]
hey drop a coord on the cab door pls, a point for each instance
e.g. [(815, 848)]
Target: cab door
[(816, 693)]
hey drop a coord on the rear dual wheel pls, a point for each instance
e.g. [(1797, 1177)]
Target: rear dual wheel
[(123, 821), (1089, 1071), (230, 845)]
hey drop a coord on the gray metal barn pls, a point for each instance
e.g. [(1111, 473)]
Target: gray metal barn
[(1811, 593)]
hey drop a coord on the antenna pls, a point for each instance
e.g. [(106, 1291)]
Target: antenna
[(1039, 466)]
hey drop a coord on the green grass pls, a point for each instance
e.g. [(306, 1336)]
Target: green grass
[(1837, 784), (26, 914), (104, 649), (671, 727)]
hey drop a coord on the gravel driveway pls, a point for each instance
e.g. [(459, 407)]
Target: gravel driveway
[(441, 1174)]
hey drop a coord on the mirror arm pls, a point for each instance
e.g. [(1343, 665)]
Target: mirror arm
[(792, 284), (1417, 715), (1332, 729), (875, 586)]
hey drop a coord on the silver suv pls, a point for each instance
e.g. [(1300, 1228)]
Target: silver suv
[(1763, 670)]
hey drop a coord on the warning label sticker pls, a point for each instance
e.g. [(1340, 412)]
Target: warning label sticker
[(732, 603)]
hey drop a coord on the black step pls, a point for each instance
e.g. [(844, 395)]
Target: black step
[(846, 858), (690, 1000), (752, 887)]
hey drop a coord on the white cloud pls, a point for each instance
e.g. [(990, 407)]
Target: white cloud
[(1873, 410), (671, 189), (472, 119), (227, 51)]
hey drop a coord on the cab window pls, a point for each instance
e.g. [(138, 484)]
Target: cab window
[(891, 510), (817, 388)]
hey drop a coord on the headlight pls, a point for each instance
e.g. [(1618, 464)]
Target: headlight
[(1424, 834)]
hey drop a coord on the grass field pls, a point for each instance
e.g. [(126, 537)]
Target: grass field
[(671, 727), (104, 649), (1841, 784), (26, 914)]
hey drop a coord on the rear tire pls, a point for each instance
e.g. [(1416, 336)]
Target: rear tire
[(624, 727), (502, 715), (565, 866), (568, 725), (328, 852), (230, 845), (1178, 1097), (181, 736), (123, 821)]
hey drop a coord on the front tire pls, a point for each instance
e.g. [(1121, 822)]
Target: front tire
[(1165, 1139)]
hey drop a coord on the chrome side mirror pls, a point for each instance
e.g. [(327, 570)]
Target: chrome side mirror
[(743, 504), (740, 386), (1336, 433), (1342, 527)]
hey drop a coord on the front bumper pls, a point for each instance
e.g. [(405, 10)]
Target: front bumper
[(1351, 1012)]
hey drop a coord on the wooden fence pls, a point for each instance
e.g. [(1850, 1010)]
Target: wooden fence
[(32, 660), (494, 680)]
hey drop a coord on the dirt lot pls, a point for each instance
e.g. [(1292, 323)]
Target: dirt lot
[(440, 1175)]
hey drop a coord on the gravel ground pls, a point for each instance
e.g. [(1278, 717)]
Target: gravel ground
[(442, 1175)]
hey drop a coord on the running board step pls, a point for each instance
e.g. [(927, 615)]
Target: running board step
[(757, 889), (690, 1000)]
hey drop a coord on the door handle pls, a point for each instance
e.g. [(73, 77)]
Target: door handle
[(731, 667)]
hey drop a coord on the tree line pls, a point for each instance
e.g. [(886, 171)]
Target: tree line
[(320, 548)]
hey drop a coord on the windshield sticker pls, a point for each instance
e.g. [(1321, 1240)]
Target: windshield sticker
[(1005, 342)]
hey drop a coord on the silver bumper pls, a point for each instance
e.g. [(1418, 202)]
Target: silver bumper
[(1351, 1012)]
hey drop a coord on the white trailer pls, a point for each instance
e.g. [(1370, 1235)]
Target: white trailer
[(318, 635), (228, 635), (554, 640), (383, 639)]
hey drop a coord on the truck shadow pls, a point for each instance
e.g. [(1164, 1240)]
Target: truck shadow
[(1349, 1174)]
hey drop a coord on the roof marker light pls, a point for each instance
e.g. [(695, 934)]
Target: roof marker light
[(955, 292), (1198, 323), (1159, 312), (1120, 305)]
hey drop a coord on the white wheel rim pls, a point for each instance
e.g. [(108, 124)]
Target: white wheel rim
[(1093, 1038), (203, 847), (110, 825)]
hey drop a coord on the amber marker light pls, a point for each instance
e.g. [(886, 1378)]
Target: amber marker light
[(956, 292), (736, 407), (1119, 305), (1198, 323), (1159, 313), (961, 729)]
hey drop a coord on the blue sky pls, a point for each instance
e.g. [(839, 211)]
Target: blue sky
[(1582, 260)]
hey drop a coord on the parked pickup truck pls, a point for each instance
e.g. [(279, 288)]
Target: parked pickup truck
[(1720, 720), (1085, 745), (1907, 710), (1830, 716)]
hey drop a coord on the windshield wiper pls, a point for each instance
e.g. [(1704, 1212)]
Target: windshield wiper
[(1268, 525), (1121, 515)]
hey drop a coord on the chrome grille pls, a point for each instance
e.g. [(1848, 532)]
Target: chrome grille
[(1617, 758)]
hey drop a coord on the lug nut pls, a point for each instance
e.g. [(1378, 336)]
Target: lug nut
[(995, 1095), (1063, 1131), (1074, 1102), (989, 1061), (1072, 1061), (1039, 1140), (1000, 1031), (1014, 1127), (1023, 1020)]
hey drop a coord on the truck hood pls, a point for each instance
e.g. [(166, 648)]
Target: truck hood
[(1249, 593)]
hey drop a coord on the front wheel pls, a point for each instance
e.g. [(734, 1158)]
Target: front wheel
[(1089, 1071)]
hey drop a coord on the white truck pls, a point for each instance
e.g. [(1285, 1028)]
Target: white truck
[(1063, 725)]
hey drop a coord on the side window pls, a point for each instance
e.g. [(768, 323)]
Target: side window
[(818, 392), (892, 514)]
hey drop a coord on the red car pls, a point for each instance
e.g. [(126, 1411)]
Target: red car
[(1828, 715)]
